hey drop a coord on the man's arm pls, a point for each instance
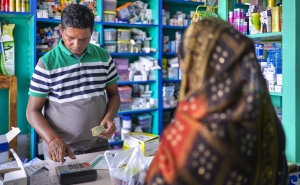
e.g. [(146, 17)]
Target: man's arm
[(111, 110), (57, 147)]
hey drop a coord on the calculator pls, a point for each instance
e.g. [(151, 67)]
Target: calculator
[(76, 173)]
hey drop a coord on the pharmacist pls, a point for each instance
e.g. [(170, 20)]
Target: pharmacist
[(69, 82)]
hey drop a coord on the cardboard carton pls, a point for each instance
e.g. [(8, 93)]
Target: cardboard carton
[(147, 142), (4, 140), (15, 177), (36, 172)]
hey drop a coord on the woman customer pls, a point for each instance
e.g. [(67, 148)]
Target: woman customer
[(225, 130)]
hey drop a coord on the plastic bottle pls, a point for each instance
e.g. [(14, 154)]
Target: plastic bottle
[(126, 122)]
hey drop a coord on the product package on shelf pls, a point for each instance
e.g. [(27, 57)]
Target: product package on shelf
[(171, 46), (53, 8), (258, 19), (127, 41), (170, 69), (49, 37), (139, 70), (14, 5), (178, 19), (141, 122), (7, 45), (271, 64), (137, 12), (141, 100)]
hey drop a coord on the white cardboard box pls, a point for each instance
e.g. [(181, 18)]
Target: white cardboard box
[(147, 142), (4, 140), (16, 177), (295, 178), (36, 172), (39, 178)]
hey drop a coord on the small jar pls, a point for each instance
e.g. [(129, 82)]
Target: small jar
[(126, 122)]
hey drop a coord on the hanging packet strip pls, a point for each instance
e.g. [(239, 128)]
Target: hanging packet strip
[(7, 61)]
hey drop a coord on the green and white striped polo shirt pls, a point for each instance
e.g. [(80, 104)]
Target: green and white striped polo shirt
[(74, 87)]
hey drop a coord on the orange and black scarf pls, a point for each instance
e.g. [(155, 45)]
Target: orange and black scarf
[(225, 130)]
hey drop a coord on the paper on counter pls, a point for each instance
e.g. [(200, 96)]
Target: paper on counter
[(100, 163), (9, 167), (34, 165)]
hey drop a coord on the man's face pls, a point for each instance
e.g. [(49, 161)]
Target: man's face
[(76, 39)]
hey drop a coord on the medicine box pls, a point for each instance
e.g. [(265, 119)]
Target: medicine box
[(294, 178), (144, 120), (124, 75), (126, 11), (18, 177), (109, 16), (266, 21), (125, 104), (4, 143), (125, 92), (147, 142), (36, 172), (110, 34), (110, 46), (110, 5), (123, 34), (124, 46), (276, 19), (121, 63)]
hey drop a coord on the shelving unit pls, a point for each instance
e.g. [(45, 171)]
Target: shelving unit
[(289, 100)]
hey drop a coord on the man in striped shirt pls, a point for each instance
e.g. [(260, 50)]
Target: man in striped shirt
[(71, 83)]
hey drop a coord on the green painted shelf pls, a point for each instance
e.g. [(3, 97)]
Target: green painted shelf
[(276, 36), (136, 111), (182, 2), (19, 15), (275, 94)]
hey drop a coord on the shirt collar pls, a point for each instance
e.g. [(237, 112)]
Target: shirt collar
[(68, 52)]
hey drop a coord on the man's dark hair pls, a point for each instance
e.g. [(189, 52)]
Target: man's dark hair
[(77, 16)]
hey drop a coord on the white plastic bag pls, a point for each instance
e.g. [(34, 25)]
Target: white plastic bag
[(127, 167)]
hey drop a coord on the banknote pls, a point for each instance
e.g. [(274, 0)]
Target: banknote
[(97, 130)]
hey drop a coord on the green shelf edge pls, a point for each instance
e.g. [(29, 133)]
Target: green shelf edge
[(275, 94), (266, 36)]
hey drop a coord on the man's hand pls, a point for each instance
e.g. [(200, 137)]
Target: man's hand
[(110, 127), (57, 150)]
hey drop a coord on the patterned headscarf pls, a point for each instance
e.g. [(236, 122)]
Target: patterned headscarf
[(225, 129)]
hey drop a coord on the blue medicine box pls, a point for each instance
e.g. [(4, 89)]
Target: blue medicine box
[(4, 147)]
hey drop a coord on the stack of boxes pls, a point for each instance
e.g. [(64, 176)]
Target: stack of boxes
[(136, 12), (139, 70), (49, 37), (53, 8), (172, 46), (136, 97), (271, 64), (170, 69), (258, 19), (179, 19), (127, 41), (126, 123)]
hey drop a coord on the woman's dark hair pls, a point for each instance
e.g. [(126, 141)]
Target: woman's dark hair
[(77, 16), (180, 52)]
